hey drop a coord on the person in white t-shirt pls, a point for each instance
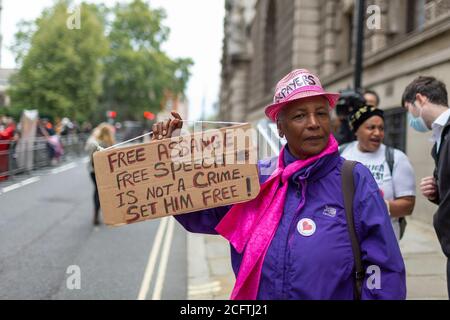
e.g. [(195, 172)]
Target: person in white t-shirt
[(399, 186)]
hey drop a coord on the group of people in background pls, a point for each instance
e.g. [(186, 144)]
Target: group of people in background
[(426, 101), (54, 145), (7, 136), (53, 134)]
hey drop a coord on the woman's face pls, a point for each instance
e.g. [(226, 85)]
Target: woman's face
[(371, 134), (306, 125)]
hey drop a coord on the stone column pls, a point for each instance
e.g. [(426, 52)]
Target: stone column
[(328, 50), (379, 37), (239, 91), (305, 45)]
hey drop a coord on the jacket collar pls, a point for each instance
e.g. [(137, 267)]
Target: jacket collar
[(314, 171)]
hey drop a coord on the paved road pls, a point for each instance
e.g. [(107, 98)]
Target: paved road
[(47, 239)]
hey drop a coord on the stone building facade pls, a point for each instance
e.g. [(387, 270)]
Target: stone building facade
[(265, 39)]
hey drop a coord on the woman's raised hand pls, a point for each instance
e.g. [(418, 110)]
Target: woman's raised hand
[(167, 129)]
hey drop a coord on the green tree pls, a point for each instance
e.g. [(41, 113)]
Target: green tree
[(60, 67), (138, 74)]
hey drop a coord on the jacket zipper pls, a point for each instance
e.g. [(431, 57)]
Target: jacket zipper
[(301, 187)]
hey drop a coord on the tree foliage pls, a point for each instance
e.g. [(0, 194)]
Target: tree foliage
[(138, 74), (113, 61), (60, 68)]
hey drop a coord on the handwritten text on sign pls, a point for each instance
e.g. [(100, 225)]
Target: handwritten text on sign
[(177, 175)]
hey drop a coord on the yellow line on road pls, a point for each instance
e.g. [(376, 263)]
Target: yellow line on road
[(145, 285), (164, 260)]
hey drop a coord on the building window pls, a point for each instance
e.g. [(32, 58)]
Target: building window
[(350, 36), (346, 38), (395, 128), (415, 19), (270, 47)]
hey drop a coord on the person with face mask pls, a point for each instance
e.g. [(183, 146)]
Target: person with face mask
[(426, 100)]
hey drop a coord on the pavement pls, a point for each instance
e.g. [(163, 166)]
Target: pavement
[(425, 263), (210, 276)]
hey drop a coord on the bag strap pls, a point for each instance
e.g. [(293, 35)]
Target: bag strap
[(389, 154), (348, 188)]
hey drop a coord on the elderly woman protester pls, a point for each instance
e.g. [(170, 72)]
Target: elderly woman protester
[(292, 241), (390, 167)]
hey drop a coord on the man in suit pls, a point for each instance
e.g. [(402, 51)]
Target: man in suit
[(426, 100)]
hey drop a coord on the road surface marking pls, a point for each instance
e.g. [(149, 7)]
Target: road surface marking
[(204, 292), (64, 168), (205, 288), (145, 285), (20, 184), (12, 187), (163, 263), (204, 285)]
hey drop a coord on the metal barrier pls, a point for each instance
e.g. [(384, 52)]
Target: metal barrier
[(269, 143), (36, 155), (20, 156)]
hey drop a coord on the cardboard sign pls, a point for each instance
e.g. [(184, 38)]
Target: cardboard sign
[(177, 175)]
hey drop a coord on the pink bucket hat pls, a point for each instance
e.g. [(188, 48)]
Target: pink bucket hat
[(298, 84)]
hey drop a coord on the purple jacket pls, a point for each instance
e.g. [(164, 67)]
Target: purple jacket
[(320, 266)]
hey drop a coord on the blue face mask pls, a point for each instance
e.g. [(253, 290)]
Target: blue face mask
[(417, 123)]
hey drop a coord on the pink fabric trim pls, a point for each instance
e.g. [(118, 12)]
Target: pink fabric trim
[(251, 226)]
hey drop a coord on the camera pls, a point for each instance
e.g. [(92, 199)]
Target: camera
[(349, 100)]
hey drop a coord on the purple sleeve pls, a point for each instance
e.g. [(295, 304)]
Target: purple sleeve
[(203, 221), (385, 276)]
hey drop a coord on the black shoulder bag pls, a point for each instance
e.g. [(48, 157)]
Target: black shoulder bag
[(348, 189)]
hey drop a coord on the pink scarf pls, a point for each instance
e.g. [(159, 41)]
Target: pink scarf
[(252, 225)]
